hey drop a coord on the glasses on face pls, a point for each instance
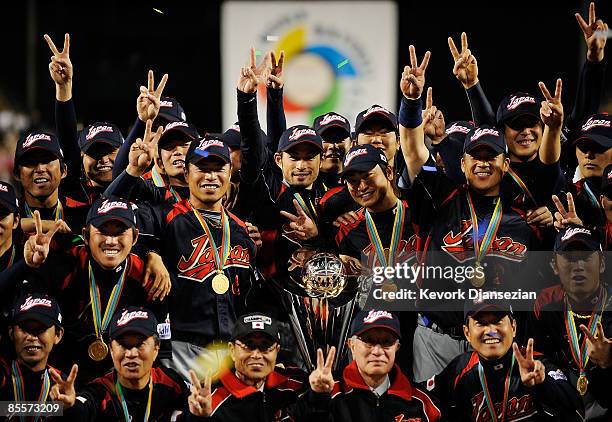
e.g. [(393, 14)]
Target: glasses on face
[(251, 346), (385, 343)]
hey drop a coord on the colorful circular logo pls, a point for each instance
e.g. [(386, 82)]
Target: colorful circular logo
[(312, 74)]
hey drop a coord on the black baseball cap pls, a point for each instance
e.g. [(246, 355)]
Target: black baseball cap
[(210, 145), (100, 132), (255, 322), (331, 122), (488, 136), (37, 141), (457, 131), (178, 130), (133, 319), (577, 238), (516, 105), (472, 307), (8, 199), (606, 180), (171, 110), (299, 134), (597, 128), (37, 307), (232, 136), (111, 208), (376, 113), (363, 158), (375, 318)]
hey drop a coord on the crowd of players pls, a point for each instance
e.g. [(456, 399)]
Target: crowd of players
[(125, 260)]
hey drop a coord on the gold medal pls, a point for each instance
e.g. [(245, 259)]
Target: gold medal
[(97, 350), (220, 283), (478, 279), (388, 286), (582, 384)]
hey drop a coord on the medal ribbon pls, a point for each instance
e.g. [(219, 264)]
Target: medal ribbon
[(126, 413), (11, 259), (159, 182), (522, 185), (579, 353), (59, 211), (591, 195), (101, 323), (225, 238), (18, 388), (310, 211), (157, 178), (487, 394), (481, 249), (398, 228)]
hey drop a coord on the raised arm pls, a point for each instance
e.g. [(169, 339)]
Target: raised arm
[(412, 136), (465, 70), (252, 144), (147, 108), (592, 76), (61, 72), (551, 113), (275, 113), (128, 183)]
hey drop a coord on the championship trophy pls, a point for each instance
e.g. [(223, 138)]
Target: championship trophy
[(319, 298)]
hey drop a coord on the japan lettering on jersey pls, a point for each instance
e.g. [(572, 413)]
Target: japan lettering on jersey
[(517, 408), (460, 245), (199, 264)]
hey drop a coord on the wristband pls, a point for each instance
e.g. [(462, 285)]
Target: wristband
[(410, 114)]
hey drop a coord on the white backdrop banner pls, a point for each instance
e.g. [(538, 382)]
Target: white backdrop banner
[(339, 56)]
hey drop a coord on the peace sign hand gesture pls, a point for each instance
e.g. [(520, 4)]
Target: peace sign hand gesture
[(64, 390), (433, 120), (466, 66), (275, 78), (142, 151), (200, 399), (61, 69), (599, 348), (303, 225), (252, 75), (595, 34), (321, 379), (148, 101), (36, 248), (551, 110), (562, 217), (413, 76), (532, 371)]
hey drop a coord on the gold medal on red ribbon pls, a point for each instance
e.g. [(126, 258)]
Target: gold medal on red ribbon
[(98, 350), (220, 283), (582, 384), (478, 279)]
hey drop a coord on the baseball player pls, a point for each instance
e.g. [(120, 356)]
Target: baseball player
[(134, 390), (206, 249), (498, 380), (91, 281), (461, 224), (35, 329), (90, 155), (571, 319)]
